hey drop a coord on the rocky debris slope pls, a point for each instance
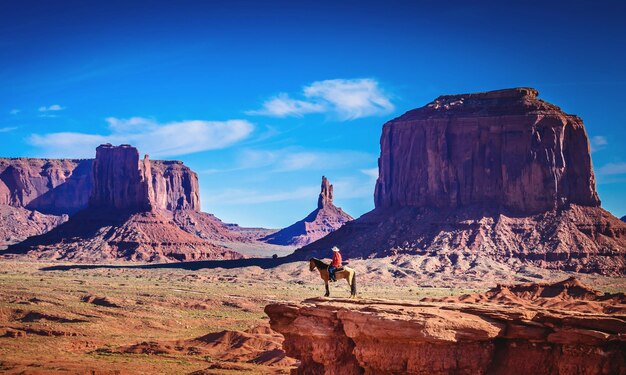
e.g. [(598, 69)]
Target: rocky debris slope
[(20, 223), (326, 218), (485, 335), (501, 173), (122, 220)]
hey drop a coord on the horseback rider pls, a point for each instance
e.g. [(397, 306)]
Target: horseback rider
[(336, 263)]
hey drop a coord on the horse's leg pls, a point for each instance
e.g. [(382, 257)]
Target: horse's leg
[(352, 282), (327, 290)]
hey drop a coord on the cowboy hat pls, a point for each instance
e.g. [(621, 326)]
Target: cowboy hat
[(335, 248)]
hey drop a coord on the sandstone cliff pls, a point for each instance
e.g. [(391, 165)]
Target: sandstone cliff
[(503, 148), (120, 181), (511, 330), (175, 186), (326, 218), (52, 186), (499, 174)]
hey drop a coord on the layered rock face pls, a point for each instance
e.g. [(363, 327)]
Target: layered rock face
[(175, 186), (325, 219), (52, 186), (63, 186), (503, 149), (499, 174), (122, 220), (505, 331), (39, 192)]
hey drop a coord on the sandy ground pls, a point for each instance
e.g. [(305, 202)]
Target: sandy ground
[(136, 320)]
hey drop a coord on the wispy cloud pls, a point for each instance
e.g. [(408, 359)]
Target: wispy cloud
[(283, 106), (371, 172), (347, 99), (149, 136), (15, 111), (295, 159), (7, 129), (612, 169), (245, 196), (51, 108), (598, 142)]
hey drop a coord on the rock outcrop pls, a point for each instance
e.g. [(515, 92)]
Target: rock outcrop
[(499, 174), (326, 218), (122, 220), (496, 335), (623, 218), (120, 180), (504, 149)]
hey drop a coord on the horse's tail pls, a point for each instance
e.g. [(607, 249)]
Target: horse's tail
[(353, 286)]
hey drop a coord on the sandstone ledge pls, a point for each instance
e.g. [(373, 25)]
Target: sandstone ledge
[(342, 336)]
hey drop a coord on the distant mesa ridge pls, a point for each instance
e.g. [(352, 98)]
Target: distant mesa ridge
[(325, 219), (501, 174), (64, 186), (127, 215)]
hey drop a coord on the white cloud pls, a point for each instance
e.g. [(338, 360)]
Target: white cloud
[(15, 111), (283, 106), (612, 169), (149, 136), (53, 107), (598, 142), (347, 99), (290, 159), (7, 129)]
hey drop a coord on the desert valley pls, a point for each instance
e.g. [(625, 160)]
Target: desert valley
[(488, 251), (312, 187)]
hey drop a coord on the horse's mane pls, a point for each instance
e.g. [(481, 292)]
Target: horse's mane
[(320, 263)]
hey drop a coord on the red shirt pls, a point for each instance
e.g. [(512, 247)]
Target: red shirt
[(336, 259)]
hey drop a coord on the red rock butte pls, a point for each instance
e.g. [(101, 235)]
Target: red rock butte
[(498, 173), (128, 215), (501, 148)]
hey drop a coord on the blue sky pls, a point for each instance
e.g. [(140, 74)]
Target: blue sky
[(263, 98)]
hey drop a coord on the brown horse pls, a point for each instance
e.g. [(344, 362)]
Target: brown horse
[(342, 273)]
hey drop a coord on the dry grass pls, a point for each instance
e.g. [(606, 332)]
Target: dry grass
[(75, 321)]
